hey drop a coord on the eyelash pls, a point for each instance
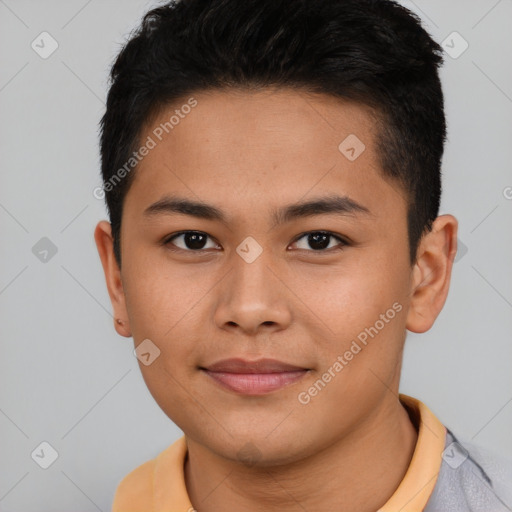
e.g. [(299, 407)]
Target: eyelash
[(343, 243)]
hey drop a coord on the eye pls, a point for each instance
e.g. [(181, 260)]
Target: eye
[(196, 241), (192, 241), (319, 241)]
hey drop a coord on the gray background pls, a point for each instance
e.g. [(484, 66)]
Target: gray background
[(68, 379)]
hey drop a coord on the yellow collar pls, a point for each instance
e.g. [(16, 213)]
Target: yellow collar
[(421, 476)]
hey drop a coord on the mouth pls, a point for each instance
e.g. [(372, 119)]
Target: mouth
[(254, 377)]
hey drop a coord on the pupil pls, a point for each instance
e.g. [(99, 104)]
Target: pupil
[(318, 241), (193, 240)]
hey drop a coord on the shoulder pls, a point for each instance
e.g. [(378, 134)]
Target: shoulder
[(496, 468), (471, 479), (135, 491)]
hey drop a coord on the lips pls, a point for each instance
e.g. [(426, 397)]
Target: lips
[(259, 366), (254, 377)]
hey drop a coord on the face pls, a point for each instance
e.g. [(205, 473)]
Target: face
[(324, 288)]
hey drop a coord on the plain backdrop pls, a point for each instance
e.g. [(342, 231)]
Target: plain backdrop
[(66, 377)]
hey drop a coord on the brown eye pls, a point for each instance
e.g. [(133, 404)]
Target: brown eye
[(190, 241), (320, 241)]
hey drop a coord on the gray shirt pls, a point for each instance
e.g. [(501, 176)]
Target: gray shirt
[(471, 480)]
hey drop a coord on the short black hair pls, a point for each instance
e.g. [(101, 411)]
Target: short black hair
[(374, 52)]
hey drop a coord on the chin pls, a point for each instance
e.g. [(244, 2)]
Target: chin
[(260, 449)]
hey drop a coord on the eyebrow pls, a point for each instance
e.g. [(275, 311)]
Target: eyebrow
[(333, 204)]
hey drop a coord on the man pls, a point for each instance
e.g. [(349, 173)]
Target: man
[(272, 174)]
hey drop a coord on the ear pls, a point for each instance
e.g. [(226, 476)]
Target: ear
[(431, 273), (105, 245)]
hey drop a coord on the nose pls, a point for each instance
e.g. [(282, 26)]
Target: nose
[(253, 298)]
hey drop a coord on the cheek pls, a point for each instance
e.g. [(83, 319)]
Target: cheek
[(362, 313), (347, 299), (159, 297), (167, 307), (151, 307)]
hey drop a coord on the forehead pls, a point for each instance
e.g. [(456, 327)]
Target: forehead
[(255, 147)]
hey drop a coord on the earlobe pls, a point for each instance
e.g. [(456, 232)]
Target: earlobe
[(431, 274), (104, 244)]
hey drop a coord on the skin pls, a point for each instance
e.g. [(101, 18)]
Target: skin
[(248, 153)]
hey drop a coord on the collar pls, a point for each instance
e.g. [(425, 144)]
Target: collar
[(420, 479)]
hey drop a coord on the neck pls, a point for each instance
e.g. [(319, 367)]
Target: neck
[(360, 472)]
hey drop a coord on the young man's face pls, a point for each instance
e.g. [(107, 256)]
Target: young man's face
[(255, 286)]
